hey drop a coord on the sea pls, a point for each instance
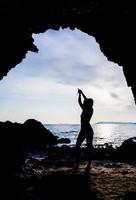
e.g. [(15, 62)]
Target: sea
[(104, 132)]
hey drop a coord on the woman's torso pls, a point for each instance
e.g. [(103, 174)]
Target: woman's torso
[(86, 116)]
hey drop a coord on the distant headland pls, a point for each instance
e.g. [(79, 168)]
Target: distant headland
[(110, 122)]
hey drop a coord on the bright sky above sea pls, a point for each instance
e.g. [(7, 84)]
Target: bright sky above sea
[(44, 86)]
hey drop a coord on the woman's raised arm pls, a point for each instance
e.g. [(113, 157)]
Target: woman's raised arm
[(79, 98), (83, 95)]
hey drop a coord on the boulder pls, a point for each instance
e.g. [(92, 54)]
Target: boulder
[(127, 150), (17, 140), (64, 141)]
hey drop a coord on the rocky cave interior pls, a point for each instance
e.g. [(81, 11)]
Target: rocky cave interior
[(111, 23)]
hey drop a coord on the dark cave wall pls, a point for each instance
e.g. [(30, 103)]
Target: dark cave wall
[(110, 22)]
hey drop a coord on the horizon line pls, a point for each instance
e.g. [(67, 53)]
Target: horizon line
[(63, 123)]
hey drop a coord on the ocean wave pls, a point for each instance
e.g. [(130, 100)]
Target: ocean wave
[(68, 132)]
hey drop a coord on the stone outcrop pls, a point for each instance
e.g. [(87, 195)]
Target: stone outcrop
[(127, 150), (17, 140), (110, 22)]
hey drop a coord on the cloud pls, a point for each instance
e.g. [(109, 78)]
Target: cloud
[(114, 95)]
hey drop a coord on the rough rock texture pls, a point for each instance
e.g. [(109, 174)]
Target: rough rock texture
[(110, 22), (19, 139), (127, 149)]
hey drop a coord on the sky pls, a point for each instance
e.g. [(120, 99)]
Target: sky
[(44, 86)]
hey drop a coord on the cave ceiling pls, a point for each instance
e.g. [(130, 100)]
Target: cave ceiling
[(110, 22)]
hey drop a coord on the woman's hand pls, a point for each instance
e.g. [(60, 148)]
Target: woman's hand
[(79, 91)]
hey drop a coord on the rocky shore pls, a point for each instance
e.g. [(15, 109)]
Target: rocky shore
[(33, 166)]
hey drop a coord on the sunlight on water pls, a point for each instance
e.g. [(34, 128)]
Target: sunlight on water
[(113, 134), (104, 132)]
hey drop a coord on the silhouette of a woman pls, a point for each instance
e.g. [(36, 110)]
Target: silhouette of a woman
[(86, 131)]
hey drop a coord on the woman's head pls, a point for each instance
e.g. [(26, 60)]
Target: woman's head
[(88, 102)]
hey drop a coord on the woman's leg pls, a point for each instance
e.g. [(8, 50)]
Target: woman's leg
[(80, 140), (89, 140)]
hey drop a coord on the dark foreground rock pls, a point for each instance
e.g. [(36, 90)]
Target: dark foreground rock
[(127, 150), (64, 141), (19, 139)]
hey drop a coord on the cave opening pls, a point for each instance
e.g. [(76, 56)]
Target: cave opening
[(45, 90), (44, 86)]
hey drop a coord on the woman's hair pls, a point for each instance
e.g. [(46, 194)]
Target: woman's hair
[(88, 102)]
